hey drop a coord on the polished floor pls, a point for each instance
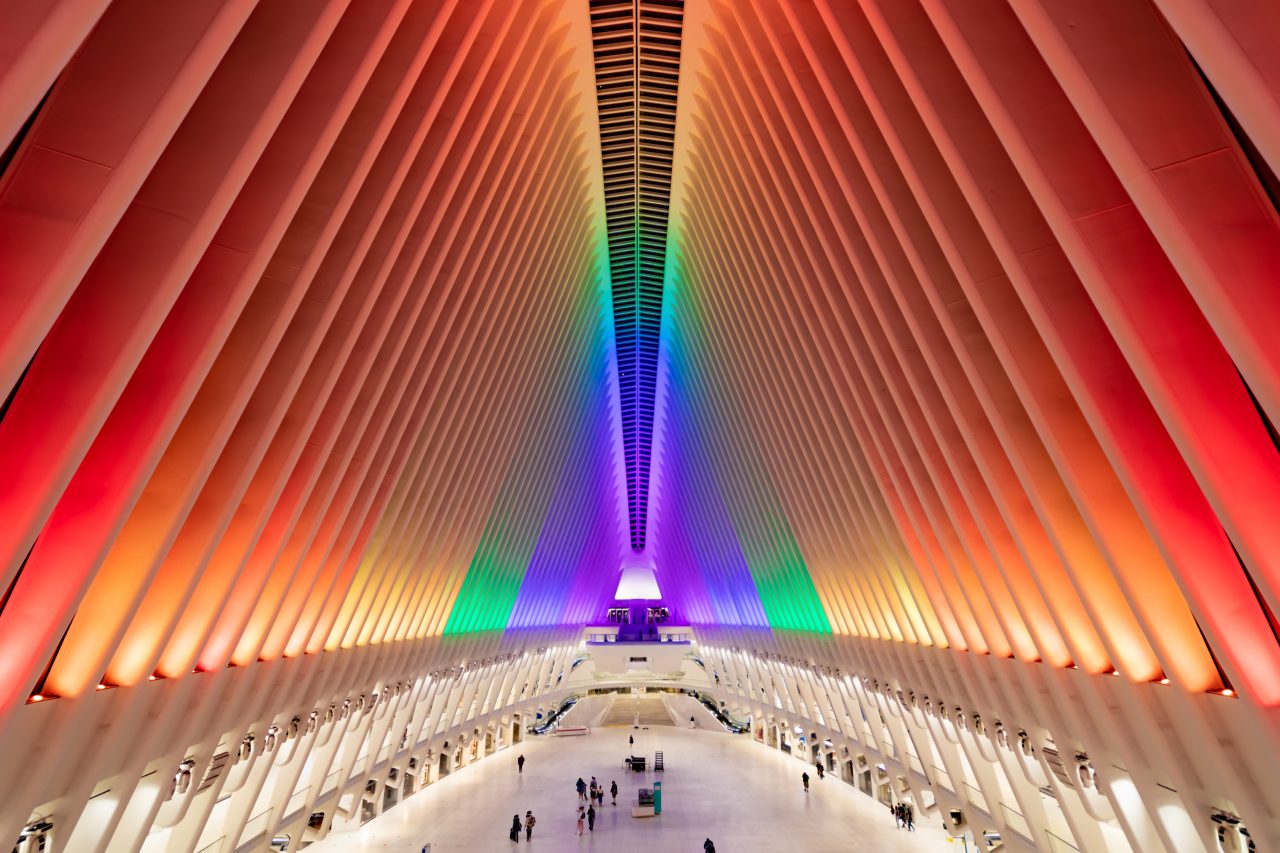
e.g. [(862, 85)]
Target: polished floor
[(742, 795)]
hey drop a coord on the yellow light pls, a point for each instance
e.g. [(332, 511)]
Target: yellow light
[(1228, 692), (36, 697), (1164, 681)]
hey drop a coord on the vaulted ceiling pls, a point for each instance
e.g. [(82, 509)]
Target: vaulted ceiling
[(948, 324), (331, 324)]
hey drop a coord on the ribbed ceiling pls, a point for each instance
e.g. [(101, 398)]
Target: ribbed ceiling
[(934, 335)]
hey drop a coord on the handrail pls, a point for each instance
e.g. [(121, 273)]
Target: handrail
[(545, 725), (213, 847), (249, 832), (675, 637), (296, 802), (1015, 821), (1060, 845), (976, 797), (941, 776), (721, 717)]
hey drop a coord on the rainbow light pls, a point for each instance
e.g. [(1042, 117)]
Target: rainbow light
[(353, 358)]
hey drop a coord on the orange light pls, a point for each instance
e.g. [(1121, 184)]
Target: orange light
[(36, 697), (153, 677), (101, 687), (1228, 692), (1164, 681)]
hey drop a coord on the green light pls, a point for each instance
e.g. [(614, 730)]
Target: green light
[(782, 580)]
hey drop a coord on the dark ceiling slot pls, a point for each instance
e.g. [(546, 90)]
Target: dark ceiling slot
[(637, 62), (11, 151)]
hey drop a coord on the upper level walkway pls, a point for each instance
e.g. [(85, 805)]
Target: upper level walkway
[(642, 633)]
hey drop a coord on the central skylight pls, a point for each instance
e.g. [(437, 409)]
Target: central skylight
[(637, 60)]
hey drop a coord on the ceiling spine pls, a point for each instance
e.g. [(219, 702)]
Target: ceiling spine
[(637, 60)]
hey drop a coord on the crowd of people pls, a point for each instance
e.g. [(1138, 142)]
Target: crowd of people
[(589, 793), (592, 794)]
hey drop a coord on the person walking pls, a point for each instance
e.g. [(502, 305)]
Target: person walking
[(529, 821), (708, 847), (514, 834), (591, 818), (520, 764), (631, 740), (907, 813), (613, 789), (582, 815), (818, 766), (582, 789), (804, 777)]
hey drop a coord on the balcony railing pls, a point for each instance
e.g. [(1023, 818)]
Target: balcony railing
[(257, 825), (296, 803), (604, 638), (1061, 845), (1015, 821), (975, 796)]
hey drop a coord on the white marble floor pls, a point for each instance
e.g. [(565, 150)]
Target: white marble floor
[(744, 796)]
